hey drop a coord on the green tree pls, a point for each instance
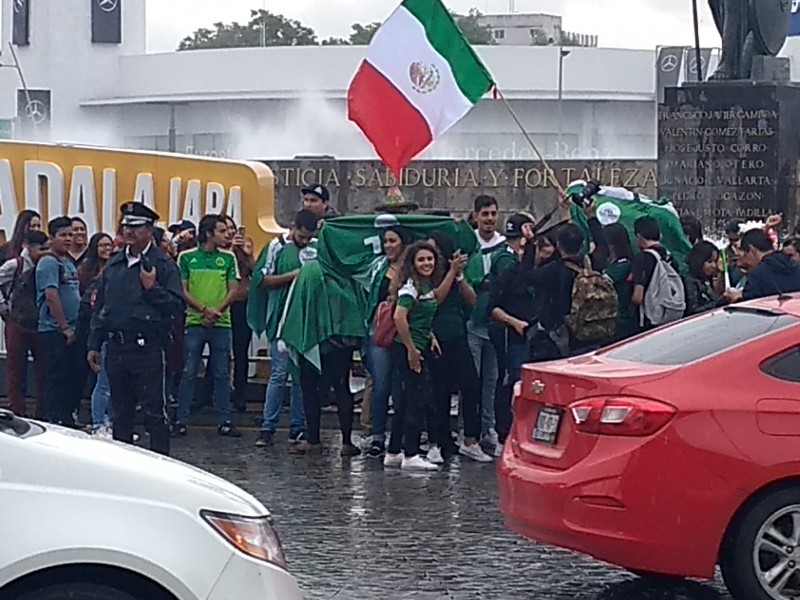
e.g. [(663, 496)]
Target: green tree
[(334, 41), (264, 29), (476, 34), (362, 34)]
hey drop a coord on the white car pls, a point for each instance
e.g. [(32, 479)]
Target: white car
[(89, 519)]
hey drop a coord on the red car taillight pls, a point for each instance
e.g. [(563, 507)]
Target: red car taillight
[(621, 416)]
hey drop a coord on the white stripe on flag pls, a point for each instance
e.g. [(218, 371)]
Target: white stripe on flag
[(399, 43)]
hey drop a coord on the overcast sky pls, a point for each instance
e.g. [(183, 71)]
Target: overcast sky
[(619, 23)]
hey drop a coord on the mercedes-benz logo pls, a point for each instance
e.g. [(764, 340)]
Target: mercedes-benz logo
[(19, 5), (36, 111), (669, 63), (693, 64), (107, 5)]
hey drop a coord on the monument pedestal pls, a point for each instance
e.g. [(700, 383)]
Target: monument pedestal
[(730, 150)]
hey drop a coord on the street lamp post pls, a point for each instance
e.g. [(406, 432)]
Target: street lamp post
[(25, 89), (562, 54), (173, 131)]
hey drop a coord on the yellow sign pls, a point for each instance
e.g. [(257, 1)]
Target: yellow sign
[(92, 183)]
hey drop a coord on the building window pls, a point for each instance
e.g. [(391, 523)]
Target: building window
[(499, 34)]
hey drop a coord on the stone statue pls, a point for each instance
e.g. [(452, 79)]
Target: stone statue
[(748, 28)]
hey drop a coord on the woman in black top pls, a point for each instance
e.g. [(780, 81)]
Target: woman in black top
[(28, 220), (699, 284)]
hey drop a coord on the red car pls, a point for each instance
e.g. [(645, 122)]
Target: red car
[(670, 453)]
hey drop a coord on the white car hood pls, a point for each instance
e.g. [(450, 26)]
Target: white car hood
[(66, 459)]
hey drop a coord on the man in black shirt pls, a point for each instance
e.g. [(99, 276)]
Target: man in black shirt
[(513, 310), (648, 237), (554, 282)]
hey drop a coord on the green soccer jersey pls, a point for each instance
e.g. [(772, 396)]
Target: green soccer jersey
[(421, 309), (207, 275)]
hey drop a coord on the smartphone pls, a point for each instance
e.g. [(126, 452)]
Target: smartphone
[(242, 231)]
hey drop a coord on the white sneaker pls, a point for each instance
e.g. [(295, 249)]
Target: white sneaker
[(417, 463), (475, 452), (435, 455), (393, 460), (492, 438), (498, 450)]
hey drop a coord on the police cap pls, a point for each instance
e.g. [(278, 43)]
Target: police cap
[(136, 214)]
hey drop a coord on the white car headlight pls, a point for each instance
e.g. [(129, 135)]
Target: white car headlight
[(256, 537)]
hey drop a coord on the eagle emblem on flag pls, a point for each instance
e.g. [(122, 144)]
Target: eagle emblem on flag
[(424, 78)]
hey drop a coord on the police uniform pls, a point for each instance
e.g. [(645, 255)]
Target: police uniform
[(135, 323)]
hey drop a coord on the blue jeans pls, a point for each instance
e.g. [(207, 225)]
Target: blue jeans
[(273, 402), (385, 381), (219, 343), (101, 395), (486, 364)]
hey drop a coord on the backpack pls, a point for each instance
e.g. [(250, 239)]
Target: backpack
[(664, 301), (22, 307), (593, 314)]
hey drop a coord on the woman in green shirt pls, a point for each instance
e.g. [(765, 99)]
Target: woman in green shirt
[(618, 271), (455, 367), (413, 351)]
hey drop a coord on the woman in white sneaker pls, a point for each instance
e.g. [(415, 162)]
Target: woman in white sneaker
[(455, 367), (412, 352)]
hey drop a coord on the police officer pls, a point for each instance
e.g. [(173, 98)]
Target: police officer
[(138, 295)]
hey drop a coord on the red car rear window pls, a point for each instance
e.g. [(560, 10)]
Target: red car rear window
[(704, 336)]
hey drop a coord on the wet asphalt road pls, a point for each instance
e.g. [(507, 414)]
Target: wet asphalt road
[(352, 531)]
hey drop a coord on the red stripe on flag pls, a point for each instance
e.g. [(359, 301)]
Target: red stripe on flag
[(396, 129)]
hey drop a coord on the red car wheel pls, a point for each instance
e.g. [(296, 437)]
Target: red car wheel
[(762, 560)]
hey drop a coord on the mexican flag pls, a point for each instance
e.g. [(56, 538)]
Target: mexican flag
[(620, 205), (335, 296), (419, 78)]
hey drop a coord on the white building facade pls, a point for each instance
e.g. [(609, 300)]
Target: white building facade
[(529, 29), (283, 102)]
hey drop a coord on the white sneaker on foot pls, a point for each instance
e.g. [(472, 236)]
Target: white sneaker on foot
[(435, 455), (417, 463), (475, 452), (498, 450), (393, 460), (491, 438)]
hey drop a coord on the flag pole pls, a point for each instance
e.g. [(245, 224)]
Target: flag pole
[(698, 57), (530, 141)]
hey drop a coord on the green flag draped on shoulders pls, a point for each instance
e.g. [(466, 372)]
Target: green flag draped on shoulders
[(619, 205), (335, 297), (265, 306)]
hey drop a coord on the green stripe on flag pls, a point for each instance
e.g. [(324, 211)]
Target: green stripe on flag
[(472, 77)]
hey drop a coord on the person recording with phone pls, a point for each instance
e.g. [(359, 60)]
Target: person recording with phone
[(242, 247), (138, 295)]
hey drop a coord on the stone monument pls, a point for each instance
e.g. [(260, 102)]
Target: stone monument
[(729, 147)]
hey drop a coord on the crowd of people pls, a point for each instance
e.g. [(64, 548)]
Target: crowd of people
[(109, 309)]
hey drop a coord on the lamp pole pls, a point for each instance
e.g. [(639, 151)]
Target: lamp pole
[(173, 130), (562, 54), (25, 89)]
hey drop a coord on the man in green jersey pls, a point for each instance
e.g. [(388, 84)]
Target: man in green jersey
[(285, 257), (210, 278)]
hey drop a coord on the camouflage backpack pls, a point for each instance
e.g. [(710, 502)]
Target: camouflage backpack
[(593, 315)]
